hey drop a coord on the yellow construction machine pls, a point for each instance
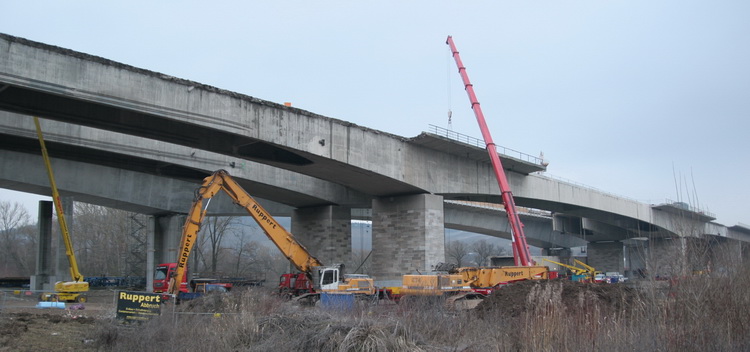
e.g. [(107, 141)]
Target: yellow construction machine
[(327, 279), (66, 291), (585, 273)]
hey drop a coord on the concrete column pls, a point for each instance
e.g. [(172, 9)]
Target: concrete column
[(164, 234), (726, 254), (606, 256), (408, 235), (150, 253), (665, 257), (167, 232), (326, 232), (40, 281)]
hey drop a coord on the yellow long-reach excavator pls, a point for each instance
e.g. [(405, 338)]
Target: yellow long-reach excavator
[(328, 279), (67, 291)]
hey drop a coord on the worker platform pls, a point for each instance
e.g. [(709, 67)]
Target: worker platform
[(444, 140)]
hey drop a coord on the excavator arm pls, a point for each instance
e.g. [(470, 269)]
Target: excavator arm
[(221, 180), (576, 270)]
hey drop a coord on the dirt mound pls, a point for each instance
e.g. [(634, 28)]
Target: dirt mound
[(515, 299)]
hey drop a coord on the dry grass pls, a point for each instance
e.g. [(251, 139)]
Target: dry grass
[(700, 313)]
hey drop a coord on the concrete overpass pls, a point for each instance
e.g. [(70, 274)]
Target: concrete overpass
[(390, 172)]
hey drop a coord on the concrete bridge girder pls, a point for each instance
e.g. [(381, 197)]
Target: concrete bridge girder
[(494, 222), (114, 188), (159, 158)]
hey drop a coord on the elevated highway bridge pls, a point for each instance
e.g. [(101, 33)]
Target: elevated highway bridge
[(143, 125)]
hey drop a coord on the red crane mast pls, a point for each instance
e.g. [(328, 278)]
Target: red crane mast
[(521, 254)]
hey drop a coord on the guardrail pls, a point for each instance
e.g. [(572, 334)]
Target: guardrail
[(688, 207), (466, 139)]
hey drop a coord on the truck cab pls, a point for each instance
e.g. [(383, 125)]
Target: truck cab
[(164, 273)]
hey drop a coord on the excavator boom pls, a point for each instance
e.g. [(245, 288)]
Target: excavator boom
[(221, 181)]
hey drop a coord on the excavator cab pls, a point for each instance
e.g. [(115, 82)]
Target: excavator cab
[(331, 279)]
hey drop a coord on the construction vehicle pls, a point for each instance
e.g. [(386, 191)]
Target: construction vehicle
[(162, 275), (438, 284), (202, 287), (460, 283), (521, 253), (65, 291), (485, 280), (585, 273), (294, 284), (325, 279)]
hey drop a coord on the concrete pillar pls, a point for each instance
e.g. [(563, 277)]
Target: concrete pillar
[(40, 281), (326, 232), (665, 257), (726, 255), (606, 256), (167, 232), (164, 234), (408, 235), (636, 258)]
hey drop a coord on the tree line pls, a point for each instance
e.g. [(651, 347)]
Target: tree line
[(112, 242)]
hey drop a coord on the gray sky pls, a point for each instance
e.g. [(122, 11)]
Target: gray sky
[(622, 96)]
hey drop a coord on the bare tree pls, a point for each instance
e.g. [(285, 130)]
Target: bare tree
[(107, 241), (13, 218), (456, 251), (484, 250), (210, 240)]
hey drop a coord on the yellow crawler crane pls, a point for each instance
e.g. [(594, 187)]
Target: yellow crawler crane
[(487, 279), (67, 291)]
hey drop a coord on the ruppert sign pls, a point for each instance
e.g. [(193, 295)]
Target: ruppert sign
[(138, 305)]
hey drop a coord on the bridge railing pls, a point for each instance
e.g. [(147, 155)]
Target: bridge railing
[(466, 139), (689, 207)]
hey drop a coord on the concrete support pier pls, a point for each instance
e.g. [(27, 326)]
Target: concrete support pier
[(164, 233), (607, 256), (40, 280), (326, 232), (408, 235)]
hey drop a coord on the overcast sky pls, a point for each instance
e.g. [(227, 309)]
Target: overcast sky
[(623, 96)]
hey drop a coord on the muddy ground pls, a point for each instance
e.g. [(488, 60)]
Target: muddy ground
[(23, 327)]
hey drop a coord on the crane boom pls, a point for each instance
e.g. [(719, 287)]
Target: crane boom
[(521, 254), (218, 181), (74, 273)]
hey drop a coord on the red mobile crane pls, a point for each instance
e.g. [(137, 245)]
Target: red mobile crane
[(521, 254)]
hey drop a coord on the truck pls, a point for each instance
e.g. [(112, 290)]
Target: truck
[(325, 279), (65, 291), (162, 275), (294, 285)]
